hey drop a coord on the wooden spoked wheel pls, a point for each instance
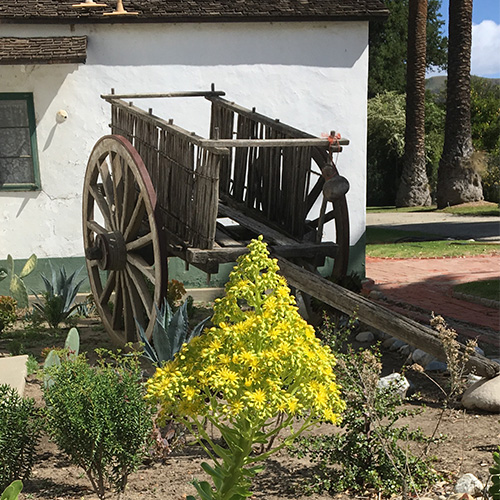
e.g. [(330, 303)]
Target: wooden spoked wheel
[(122, 247)]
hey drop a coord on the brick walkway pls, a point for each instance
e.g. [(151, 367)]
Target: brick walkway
[(416, 287)]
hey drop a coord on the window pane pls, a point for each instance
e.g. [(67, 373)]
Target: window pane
[(15, 142), (16, 171), (13, 113)]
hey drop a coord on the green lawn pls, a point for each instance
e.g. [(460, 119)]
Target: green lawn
[(480, 209), (486, 289), (391, 243)]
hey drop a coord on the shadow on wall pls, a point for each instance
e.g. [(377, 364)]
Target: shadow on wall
[(337, 45)]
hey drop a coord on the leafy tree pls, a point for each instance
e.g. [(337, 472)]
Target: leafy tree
[(485, 115), (414, 186), (458, 178), (386, 130), (388, 46)]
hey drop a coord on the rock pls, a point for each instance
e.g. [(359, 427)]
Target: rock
[(436, 366), (387, 343), (422, 358), (397, 345), (405, 350), (470, 484), (472, 379), (395, 382), (365, 336), (376, 295), (479, 350), (483, 395)]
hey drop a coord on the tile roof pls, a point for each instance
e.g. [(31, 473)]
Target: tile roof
[(43, 50), (61, 11)]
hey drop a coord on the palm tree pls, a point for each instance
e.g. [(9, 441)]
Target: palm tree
[(414, 186), (458, 180)]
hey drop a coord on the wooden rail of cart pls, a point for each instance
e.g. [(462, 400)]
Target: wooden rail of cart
[(154, 190)]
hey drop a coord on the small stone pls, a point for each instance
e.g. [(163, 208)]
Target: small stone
[(421, 357), (483, 395), (470, 484), (395, 382), (397, 345), (387, 343), (365, 336), (376, 295), (405, 350), (472, 379), (436, 366), (479, 350)]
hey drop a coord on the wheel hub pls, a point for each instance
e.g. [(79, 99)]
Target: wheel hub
[(109, 251)]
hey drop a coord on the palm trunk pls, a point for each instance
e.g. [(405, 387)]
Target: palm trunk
[(458, 180), (414, 186)]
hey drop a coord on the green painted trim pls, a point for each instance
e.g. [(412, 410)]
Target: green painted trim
[(28, 186), (357, 257), (192, 277)]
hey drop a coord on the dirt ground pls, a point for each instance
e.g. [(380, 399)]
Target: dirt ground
[(470, 440)]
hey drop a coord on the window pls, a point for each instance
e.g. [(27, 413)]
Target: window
[(18, 151)]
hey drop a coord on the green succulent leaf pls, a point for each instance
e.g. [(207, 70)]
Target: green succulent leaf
[(12, 491), (18, 291), (10, 265), (72, 343), (29, 267)]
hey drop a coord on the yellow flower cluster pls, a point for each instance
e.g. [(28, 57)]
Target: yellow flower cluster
[(260, 359)]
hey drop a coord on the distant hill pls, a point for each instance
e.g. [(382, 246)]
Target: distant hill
[(436, 84)]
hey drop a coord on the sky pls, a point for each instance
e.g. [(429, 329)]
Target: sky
[(485, 59)]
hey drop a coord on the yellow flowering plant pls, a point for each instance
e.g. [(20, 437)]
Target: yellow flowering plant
[(259, 368)]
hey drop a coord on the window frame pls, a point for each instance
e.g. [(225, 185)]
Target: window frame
[(25, 186)]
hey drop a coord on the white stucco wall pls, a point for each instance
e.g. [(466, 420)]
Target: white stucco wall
[(312, 76)]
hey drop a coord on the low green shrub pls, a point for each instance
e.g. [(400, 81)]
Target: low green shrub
[(494, 489), (20, 427), (7, 311), (98, 416), (370, 451)]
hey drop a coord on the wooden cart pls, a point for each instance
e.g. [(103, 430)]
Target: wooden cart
[(154, 190)]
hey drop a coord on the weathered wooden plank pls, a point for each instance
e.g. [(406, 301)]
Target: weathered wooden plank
[(230, 254), (272, 143), (377, 316), (255, 226), (194, 93)]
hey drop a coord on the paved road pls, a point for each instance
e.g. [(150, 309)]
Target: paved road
[(445, 225)]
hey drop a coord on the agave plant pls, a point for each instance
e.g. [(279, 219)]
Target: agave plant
[(59, 296), (170, 332)]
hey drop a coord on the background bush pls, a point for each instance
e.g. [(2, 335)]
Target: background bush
[(386, 142), (99, 418), (20, 427)]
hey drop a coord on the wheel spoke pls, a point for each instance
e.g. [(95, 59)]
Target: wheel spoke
[(102, 204), (117, 319), (142, 288), (107, 183), (135, 303), (129, 199), (141, 265), (96, 227), (135, 220), (128, 315), (117, 177), (139, 242), (108, 289)]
